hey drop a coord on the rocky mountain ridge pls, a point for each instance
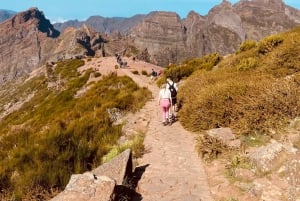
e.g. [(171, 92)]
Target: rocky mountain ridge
[(28, 40), (171, 40)]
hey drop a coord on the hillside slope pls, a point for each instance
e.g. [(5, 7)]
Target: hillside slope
[(61, 121), (246, 112)]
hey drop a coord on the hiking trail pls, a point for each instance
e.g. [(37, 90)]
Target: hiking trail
[(173, 171)]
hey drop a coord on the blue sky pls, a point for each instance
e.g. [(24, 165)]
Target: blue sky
[(60, 10)]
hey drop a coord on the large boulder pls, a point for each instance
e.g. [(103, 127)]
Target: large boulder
[(87, 187), (101, 184), (119, 168)]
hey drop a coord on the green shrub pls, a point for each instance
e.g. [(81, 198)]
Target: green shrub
[(283, 61), (252, 93), (56, 134), (144, 72), (269, 43), (247, 45), (97, 74), (246, 102), (178, 72), (135, 144), (135, 72), (246, 64)]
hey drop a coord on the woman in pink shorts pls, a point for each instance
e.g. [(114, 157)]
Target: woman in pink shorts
[(164, 100)]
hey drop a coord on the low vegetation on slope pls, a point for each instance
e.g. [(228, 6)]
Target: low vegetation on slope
[(254, 91), (57, 134)]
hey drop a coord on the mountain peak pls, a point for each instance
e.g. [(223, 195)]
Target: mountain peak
[(276, 5)]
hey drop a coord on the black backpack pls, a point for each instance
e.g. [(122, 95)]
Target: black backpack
[(172, 90)]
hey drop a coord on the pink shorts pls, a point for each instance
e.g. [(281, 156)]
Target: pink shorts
[(165, 103)]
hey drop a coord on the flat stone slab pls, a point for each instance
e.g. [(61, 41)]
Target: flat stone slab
[(85, 187), (118, 168)]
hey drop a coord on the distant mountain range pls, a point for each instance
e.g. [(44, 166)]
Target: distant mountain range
[(5, 14), (28, 40), (103, 24)]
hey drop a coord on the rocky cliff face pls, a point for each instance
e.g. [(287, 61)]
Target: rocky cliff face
[(262, 18), (163, 34), (21, 39), (169, 39), (28, 40)]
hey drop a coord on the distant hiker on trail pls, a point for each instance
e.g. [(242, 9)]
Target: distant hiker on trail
[(164, 100), (122, 63), (172, 87), (153, 75)]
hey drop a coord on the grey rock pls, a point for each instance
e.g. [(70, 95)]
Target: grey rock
[(99, 184), (263, 157), (118, 168), (226, 136), (85, 187)]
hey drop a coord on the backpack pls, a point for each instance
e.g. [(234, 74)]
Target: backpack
[(172, 90), (154, 73)]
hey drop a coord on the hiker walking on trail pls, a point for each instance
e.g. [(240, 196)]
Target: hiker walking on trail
[(172, 87), (164, 100), (153, 75)]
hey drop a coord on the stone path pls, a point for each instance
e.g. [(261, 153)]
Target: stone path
[(173, 172)]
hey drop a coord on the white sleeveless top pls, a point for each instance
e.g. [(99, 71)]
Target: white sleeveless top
[(164, 93)]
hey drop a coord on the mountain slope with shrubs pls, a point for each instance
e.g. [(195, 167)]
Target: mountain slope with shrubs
[(56, 133), (255, 90), (252, 97)]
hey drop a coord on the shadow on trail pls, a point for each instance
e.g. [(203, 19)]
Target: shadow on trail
[(137, 175), (127, 191)]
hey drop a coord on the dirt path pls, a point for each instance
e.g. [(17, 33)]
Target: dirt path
[(173, 170)]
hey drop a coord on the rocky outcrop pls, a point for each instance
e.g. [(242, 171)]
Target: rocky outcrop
[(78, 42), (169, 39), (226, 136), (28, 40), (266, 158), (163, 35), (20, 43), (86, 187), (225, 16), (103, 183), (262, 18), (118, 168)]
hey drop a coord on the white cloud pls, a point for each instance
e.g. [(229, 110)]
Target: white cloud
[(57, 20)]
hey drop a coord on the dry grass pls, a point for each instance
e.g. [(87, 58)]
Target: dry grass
[(255, 91), (55, 134)]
